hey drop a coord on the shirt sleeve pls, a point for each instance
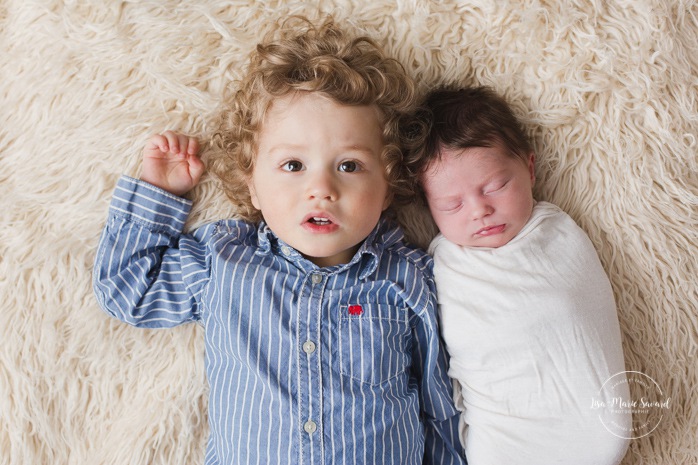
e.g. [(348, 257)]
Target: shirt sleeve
[(442, 445), (146, 272), (441, 439)]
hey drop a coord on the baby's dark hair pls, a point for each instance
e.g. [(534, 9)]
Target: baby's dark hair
[(461, 118)]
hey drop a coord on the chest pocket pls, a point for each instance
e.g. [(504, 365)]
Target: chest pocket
[(375, 342)]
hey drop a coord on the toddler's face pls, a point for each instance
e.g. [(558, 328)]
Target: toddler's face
[(479, 196), (318, 178)]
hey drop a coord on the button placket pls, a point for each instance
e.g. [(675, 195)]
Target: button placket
[(310, 427), (312, 304), (308, 347)]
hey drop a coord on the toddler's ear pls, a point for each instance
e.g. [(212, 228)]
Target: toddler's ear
[(388, 199), (253, 194)]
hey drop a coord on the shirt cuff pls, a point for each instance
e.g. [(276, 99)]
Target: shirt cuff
[(150, 206)]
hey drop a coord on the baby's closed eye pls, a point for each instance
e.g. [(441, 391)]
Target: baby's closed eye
[(495, 186), (448, 207)]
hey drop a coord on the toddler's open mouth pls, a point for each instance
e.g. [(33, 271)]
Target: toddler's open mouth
[(320, 221)]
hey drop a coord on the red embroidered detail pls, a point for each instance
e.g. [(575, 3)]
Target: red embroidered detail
[(355, 310)]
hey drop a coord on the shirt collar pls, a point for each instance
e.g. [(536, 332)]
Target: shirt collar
[(382, 236)]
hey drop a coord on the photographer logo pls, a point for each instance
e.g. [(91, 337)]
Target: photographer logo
[(635, 393)]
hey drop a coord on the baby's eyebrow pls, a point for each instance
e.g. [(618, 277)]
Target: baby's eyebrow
[(497, 172), (446, 199), (495, 176)]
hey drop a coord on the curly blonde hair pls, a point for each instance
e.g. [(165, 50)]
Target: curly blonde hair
[(298, 56)]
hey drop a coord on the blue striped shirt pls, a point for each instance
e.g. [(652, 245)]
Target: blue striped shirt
[(307, 365)]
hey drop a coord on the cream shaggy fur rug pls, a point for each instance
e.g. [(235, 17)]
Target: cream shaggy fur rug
[(608, 89)]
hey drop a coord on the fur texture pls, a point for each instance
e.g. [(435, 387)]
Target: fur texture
[(608, 91)]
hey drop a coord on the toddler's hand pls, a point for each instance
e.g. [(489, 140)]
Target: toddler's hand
[(171, 162)]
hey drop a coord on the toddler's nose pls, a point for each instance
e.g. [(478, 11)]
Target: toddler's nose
[(322, 186)]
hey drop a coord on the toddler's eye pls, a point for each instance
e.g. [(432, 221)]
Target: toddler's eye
[(348, 166), (292, 165)]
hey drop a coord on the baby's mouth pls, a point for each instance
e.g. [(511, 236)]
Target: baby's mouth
[(490, 230)]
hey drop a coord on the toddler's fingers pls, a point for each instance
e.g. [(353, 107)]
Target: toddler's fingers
[(193, 147), (183, 143), (172, 141), (196, 168), (157, 142)]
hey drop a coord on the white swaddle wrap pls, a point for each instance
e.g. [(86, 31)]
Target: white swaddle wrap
[(532, 332)]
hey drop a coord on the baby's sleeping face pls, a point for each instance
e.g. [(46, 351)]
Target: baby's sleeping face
[(479, 196)]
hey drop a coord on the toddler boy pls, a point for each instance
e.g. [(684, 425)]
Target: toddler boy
[(527, 312), (320, 324)]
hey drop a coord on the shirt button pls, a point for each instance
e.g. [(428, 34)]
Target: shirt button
[(316, 278), (309, 347), (310, 427), (286, 250)]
